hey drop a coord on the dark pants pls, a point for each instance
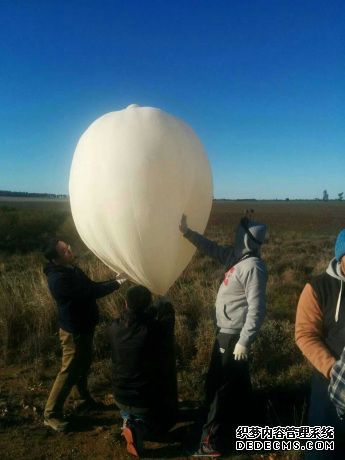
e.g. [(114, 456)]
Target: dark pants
[(323, 413), (228, 392), (76, 363)]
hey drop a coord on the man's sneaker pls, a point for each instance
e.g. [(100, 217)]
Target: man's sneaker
[(206, 450), (89, 406), (57, 423), (129, 433), (134, 433)]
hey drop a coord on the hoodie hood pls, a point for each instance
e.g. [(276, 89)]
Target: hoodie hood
[(244, 244), (53, 268), (334, 270)]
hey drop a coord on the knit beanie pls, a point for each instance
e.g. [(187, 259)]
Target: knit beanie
[(340, 246)]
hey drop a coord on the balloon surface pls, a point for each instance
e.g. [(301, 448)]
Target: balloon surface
[(133, 175)]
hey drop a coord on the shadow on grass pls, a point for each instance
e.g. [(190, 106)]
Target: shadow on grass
[(90, 423), (282, 407)]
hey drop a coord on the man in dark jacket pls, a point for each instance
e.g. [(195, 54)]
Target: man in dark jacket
[(75, 295), (143, 365)]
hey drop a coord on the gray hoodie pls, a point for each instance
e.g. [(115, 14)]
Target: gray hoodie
[(241, 299)]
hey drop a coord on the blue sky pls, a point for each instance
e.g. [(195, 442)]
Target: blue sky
[(262, 82)]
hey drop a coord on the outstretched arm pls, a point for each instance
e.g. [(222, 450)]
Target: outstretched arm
[(103, 288), (216, 251), (72, 289)]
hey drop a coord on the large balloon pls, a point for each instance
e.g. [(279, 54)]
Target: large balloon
[(134, 173)]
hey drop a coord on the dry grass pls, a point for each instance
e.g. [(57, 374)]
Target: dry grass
[(299, 245)]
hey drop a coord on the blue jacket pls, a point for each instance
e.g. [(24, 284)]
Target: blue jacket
[(75, 295)]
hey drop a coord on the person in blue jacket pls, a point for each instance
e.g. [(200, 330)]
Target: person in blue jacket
[(75, 295)]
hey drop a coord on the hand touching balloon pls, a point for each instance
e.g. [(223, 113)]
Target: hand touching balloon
[(162, 301), (165, 310), (184, 225), (121, 278)]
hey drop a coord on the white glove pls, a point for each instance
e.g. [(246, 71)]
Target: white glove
[(241, 352), (121, 278), (184, 225)]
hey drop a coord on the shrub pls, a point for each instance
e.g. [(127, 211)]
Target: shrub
[(22, 231)]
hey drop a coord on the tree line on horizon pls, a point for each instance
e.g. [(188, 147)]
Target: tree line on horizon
[(325, 197), (31, 195)]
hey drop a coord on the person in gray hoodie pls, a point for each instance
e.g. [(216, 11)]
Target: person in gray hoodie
[(240, 312)]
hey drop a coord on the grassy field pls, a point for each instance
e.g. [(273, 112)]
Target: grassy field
[(299, 245)]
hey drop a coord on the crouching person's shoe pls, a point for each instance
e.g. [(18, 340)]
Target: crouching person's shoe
[(134, 435), (57, 423), (206, 450)]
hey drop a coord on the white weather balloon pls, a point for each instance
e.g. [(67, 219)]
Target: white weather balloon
[(133, 175)]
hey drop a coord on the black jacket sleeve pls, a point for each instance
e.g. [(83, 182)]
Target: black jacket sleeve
[(216, 251), (105, 288), (82, 287)]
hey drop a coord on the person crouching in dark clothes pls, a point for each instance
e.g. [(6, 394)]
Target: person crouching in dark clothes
[(75, 295), (137, 345)]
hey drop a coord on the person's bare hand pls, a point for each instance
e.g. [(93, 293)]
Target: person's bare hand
[(184, 225)]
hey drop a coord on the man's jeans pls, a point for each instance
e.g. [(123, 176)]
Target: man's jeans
[(76, 363), (136, 414), (135, 418)]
